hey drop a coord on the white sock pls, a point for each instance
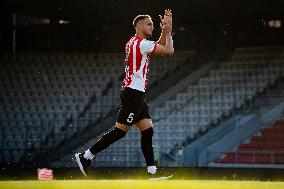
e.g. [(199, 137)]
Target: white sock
[(88, 154)]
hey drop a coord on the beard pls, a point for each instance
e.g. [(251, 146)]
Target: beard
[(148, 35)]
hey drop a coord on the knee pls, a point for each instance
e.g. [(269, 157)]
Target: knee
[(119, 132)]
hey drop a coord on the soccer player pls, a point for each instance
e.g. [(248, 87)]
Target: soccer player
[(133, 108)]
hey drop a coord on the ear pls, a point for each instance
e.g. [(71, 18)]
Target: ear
[(139, 26)]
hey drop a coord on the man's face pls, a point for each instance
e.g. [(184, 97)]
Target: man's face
[(147, 27)]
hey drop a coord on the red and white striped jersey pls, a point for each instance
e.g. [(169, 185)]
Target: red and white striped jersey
[(138, 51)]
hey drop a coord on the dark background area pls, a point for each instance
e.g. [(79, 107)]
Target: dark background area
[(105, 26)]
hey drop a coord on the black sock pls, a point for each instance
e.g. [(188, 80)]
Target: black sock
[(107, 140), (146, 145)]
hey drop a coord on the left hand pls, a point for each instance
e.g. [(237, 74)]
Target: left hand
[(166, 22)]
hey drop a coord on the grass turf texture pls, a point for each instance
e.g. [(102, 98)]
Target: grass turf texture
[(139, 184)]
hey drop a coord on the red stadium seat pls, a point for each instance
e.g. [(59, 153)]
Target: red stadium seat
[(267, 148)]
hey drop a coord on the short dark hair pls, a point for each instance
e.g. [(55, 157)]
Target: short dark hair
[(140, 17)]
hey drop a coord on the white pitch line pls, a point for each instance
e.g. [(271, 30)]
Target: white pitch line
[(160, 178)]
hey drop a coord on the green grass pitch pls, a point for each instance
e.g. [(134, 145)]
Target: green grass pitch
[(139, 184)]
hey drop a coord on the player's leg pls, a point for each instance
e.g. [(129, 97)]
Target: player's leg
[(84, 159), (126, 116), (144, 124), (118, 132), (146, 128)]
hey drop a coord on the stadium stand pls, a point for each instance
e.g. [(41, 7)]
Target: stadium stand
[(47, 98), (266, 148), (48, 94), (217, 95), (208, 102), (259, 112)]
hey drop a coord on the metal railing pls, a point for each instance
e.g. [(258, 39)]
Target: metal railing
[(251, 157)]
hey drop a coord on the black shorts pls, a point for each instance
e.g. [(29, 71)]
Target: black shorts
[(133, 107)]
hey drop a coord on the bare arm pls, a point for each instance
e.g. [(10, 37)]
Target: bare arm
[(166, 50), (162, 39)]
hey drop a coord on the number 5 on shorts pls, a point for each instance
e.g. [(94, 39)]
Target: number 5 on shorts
[(130, 117)]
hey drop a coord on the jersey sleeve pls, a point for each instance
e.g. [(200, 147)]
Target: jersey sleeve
[(147, 46)]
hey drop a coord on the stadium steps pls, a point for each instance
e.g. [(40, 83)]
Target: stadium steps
[(259, 123), (240, 134), (266, 148), (239, 117)]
